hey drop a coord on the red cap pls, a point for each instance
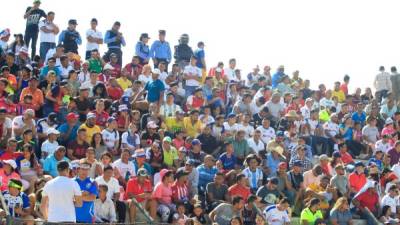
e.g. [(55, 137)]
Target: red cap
[(282, 165), (72, 116)]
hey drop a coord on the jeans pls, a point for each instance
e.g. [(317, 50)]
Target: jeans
[(44, 48), (29, 35), (88, 55)]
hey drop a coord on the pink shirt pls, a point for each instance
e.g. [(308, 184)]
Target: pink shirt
[(309, 178), (163, 193), (5, 178)]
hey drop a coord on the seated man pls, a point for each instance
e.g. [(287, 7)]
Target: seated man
[(216, 192), (323, 191)]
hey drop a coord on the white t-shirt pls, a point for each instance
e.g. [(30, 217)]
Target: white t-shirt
[(274, 216), (144, 79), (46, 37), (392, 202), (230, 128), (124, 140), (65, 71), (18, 123), (305, 112), (385, 147), (61, 192), (110, 137), (112, 184), (49, 147), (6, 125), (192, 70), (267, 134), (332, 128), (83, 77), (256, 147), (249, 130), (124, 168), (230, 74), (93, 45), (327, 103)]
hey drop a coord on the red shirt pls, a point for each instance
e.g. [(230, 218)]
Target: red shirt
[(101, 118), (9, 155), (346, 157), (134, 70), (357, 181), (133, 187), (115, 93), (368, 200), (180, 192), (238, 190), (344, 88)]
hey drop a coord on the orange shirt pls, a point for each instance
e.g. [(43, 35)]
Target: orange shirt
[(238, 190), (37, 96)]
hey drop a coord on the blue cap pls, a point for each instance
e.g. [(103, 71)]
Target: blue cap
[(336, 154), (298, 163), (231, 115), (111, 119), (196, 142), (280, 133), (190, 162), (359, 164)]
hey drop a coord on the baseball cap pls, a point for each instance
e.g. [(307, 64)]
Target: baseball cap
[(156, 71), (123, 108), (84, 165), (323, 157), (298, 163), (167, 139), (36, 1), (336, 154), (280, 133), (3, 110), (339, 166), (151, 125), (190, 162), (72, 116), (139, 153), (359, 164), (91, 115), (52, 131), (274, 180), (388, 121), (142, 172), (231, 115), (30, 112), (111, 119), (73, 21), (180, 173), (10, 162), (52, 117), (108, 67), (196, 142), (282, 165)]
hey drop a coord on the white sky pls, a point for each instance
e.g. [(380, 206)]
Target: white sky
[(322, 39)]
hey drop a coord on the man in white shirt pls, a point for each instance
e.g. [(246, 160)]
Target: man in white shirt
[(24, 122), (382, 83), (60, 197), (48, 32), (111, 135), (331, 127), (306, 109), (267, 132), (390, 199), (125, 167), (230, 71), (255, 143), (94, 38), (277, 214), (192, 75)]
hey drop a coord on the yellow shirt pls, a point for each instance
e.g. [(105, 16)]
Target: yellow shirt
[(125, 84), (340, 95), (170, 156), (192, 130), (90, 132), (173, 125)]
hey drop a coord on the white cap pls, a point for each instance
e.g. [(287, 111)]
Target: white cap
[(156, 71), (388, 121), (10, 162), (52, 131), (219, 70), (91, 115), (108, 67)]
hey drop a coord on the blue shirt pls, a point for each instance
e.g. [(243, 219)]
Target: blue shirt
[(154, 89), (356, 117), (12, 201), (276, 79), (45, 70), (349, 132), (72, 135), (147, 166), (199, 54), (85, 213), (108, 39), (272, 164), (161, 50), (142, 50), (228, 163), (61, 37), (206, 175), (50, 165)]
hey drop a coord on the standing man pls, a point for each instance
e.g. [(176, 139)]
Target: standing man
[(114, 40), (48, 32), (85, 213), (160, 50), (32, 16), (94, 38), (395, 78), (70, 38), (382, 84), (57, 207), (200, 56)]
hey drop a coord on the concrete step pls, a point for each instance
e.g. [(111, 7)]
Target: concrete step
[(296, 221)]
